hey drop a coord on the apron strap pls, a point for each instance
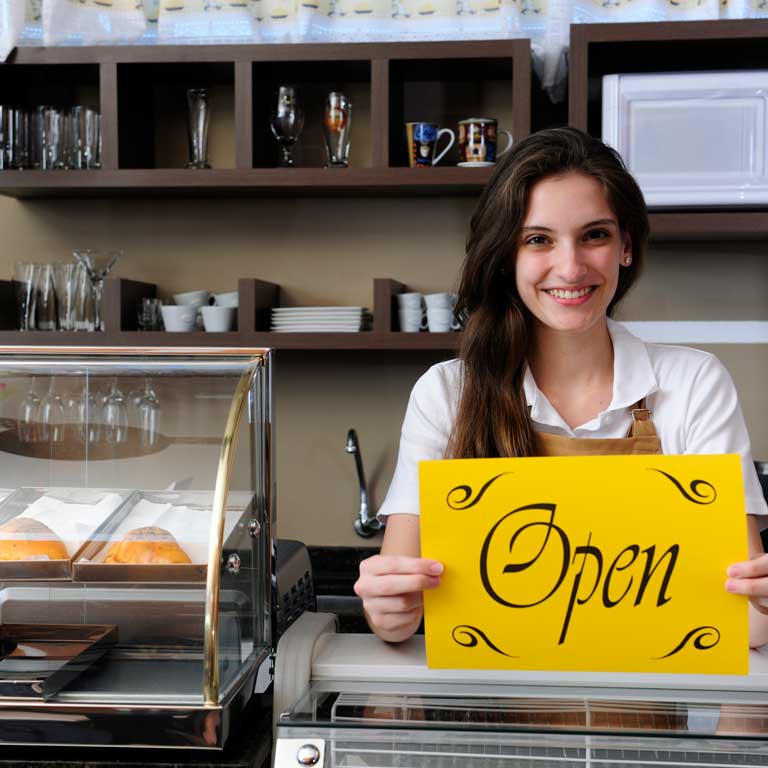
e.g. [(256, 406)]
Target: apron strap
[(642, 426)]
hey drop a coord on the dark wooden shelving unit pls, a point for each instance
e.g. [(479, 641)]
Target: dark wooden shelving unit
[(682, 46), (139, 91), (257, 298)]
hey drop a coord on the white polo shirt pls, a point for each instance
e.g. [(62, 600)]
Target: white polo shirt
[(691, 396)]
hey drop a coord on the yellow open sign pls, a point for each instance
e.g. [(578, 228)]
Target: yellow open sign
[(609, 563)]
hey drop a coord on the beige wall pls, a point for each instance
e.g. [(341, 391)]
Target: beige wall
[(328, 251)]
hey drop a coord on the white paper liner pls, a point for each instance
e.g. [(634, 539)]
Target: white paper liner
[(190, 526), (72, 522)]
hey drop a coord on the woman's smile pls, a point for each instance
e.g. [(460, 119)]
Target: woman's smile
[(570, 297)]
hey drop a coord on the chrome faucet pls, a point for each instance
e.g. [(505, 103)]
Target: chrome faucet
[(366, 524)]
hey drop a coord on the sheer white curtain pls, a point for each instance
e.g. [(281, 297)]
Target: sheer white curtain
[(545, 22)]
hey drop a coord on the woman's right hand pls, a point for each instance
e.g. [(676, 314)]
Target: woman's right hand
[(391, 588)]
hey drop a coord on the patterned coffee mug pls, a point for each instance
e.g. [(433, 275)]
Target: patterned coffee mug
[(421, 141), (477, 142)]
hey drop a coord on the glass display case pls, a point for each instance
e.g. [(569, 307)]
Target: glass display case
[(136, 543), (374, 704)]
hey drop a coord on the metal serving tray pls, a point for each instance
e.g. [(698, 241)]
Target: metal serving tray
[(87, 566), (38, 660), (17, 503)]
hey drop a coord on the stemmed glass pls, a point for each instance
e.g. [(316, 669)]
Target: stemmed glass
[(286, 121), (98, 265), (89, 415), (52, 418), (147, 407), (28, 410), (115, 415)]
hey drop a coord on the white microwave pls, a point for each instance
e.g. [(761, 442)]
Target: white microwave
[(691, 138)]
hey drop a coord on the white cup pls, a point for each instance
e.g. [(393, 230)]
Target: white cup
[(441, 319), (218, 319), (178, 319), (231, 299), (410, 300), (192, 298), (412, 320), (440, 300)]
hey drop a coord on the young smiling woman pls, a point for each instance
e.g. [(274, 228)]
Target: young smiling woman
[(556, 241)]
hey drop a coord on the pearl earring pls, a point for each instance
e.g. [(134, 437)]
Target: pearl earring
[(627, 261)]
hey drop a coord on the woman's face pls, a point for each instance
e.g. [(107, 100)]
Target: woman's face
[(569, 253)]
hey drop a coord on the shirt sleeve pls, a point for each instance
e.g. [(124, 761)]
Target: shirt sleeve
[(424, 436), (715, 424)]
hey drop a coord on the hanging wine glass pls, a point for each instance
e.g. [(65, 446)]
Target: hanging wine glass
[(52, 418), (148, 409), (286, 121), (115, 415), (97, 264), (27, 417), (89, 415)]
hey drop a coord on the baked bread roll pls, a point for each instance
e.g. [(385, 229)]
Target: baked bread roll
[(147, 546), (25, 539)]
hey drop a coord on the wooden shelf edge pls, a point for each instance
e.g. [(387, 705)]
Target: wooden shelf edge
[(256, 180), (708, 225), (365, 340)]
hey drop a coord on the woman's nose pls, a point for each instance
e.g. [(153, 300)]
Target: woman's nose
[(571, 262)]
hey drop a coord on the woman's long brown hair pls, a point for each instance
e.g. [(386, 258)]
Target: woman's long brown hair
[(492, 418)]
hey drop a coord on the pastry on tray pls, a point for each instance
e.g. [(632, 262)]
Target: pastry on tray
[(147, 546), (25, 539)]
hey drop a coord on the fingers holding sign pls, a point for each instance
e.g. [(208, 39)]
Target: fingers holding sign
[(391, 584)]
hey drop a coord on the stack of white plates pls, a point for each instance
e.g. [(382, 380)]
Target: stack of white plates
[(319, 319)]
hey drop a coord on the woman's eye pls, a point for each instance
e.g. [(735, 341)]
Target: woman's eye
[(536, 240), (597, 234)]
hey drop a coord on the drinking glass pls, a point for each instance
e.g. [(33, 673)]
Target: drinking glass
[(115, 415), (75, 134), (83, 300), (64, 283), (92, 139), (337, 124), (24, 289), (97, 264), (27, 417), (6, 136), (52, 418), (22, 139), (52, 139), (286, 122), (45, 298), (197, 127), (150, 317)]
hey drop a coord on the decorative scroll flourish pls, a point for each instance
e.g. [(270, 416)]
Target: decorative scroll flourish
[(702, 498), (700, 641), (470, 639), (466, 501)]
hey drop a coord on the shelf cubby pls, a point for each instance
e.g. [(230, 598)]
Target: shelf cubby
[(313, 84), (596, 50), (152, 112)]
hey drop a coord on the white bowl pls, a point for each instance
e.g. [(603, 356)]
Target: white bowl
[(218, 319), (231, 299), (192, 298), (178, 319)]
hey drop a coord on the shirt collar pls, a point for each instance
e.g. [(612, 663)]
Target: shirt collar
[(633, 379)]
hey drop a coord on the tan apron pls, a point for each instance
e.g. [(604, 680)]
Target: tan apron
[(641, 439)]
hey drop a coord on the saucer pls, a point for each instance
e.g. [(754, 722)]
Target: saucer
[(475, 164)]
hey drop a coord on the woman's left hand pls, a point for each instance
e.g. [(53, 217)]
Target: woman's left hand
[(750, 578)]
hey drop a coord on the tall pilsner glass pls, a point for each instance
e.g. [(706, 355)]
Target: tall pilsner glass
[(337, 124)]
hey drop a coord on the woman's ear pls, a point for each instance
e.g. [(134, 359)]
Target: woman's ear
[(626, 250)]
